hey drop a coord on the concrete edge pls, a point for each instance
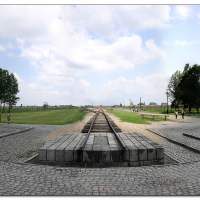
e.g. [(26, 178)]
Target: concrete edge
[(16, 132), (191, 136)]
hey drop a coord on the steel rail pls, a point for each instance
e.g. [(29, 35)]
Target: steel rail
[(88, 134), (113, 130)]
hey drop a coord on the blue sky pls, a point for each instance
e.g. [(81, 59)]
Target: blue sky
[(97, 54)]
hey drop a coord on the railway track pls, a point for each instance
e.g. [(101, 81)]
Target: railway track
[(100, 122), (102, 142), (101, 138)]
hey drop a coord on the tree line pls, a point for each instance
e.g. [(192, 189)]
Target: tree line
[(8, 91), (184, 88)]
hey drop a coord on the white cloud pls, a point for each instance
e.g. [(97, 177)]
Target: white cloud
[(149, 87), (181, 43), (112, 20), (64, 43), (184, 43), (76, 35), (31, 21), (183, 11), (26, 21), (123, 53), (68, 91), (6, 47), (198, 15), (2, 49), (80, 91)]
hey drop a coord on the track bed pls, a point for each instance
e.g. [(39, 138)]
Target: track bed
[(100, 143)]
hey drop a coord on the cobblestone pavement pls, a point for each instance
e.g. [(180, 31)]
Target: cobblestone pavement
[(29, 179), (19, 179), (174, 131), (176, 152), (20, 147)]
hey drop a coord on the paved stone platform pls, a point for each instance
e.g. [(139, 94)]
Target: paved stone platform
[(179, 134), (103, 147), (27, 179), (10, 129)]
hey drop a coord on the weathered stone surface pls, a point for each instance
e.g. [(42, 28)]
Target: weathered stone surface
[(102, 147), (51, 150), (20, 179), (70, 149), (60, 156), (176, 133)]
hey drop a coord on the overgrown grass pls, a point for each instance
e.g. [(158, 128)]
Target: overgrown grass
[(127, 116), (50, 117)]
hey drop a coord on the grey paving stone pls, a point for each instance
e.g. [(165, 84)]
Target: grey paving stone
[(150, 180), (20, 147), (174, 132)]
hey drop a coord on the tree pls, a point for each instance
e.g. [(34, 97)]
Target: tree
[(153, 104), (8, 90), (45, 105), (174, 93), (184, 87), (3, 86), (189, 87)]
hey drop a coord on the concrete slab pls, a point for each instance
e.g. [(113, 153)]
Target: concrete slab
[(103, 148)]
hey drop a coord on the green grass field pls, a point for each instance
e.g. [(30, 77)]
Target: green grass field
[(50, 117), (127, 116), (159, 110)]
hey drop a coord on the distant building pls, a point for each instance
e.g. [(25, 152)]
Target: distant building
[(153, 104)]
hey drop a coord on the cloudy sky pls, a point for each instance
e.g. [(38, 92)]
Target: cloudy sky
[(97, 54)]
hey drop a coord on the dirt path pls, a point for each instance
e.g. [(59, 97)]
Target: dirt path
[(70, 128)]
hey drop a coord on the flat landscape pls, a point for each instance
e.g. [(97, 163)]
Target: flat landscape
[(49, 117), (132, 117), (20, 178), (100, 100)]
